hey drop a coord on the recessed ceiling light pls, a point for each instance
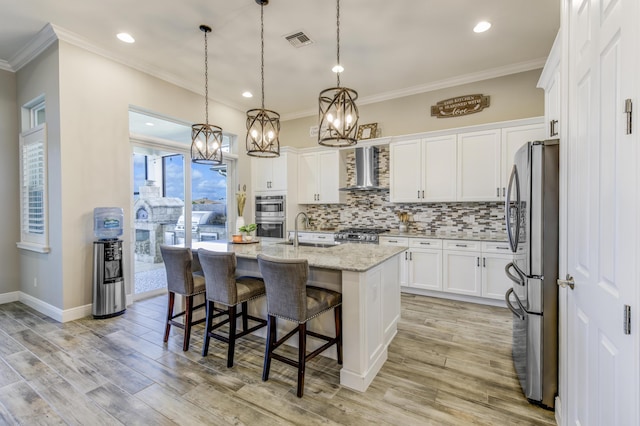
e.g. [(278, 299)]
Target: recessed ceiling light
[(247, 95), (126, 37), (337, 68), (150, 124), (481, 27)]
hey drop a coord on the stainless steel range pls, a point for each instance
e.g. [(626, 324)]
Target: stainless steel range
[(359, 235)]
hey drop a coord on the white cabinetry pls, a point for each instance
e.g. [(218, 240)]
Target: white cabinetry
[(322, 174), (423, 170), (425, 263), (461, 267), (270, 174), (485, 160), (550, 82), (479, 166), (421, 265), (495, 256)]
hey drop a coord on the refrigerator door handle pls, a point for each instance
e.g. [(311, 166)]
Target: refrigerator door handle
[(519, 279), (519, 314), (513, 239)]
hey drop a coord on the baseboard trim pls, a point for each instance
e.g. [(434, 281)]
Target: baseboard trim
[(49, 310)]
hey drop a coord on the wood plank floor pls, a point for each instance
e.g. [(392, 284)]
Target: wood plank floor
[(450, 364)]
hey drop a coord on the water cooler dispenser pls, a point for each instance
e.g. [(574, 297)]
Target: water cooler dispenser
[(109, 297)]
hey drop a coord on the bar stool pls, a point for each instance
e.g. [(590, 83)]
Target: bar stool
[(289, 297), (181, 279), (225, 288)]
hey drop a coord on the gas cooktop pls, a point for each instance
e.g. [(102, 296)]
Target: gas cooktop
[(359, 235)]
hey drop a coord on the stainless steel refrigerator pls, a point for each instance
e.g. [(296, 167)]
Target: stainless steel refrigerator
[(531, 210)]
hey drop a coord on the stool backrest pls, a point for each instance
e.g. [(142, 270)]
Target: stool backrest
[(285, 281), (220, 276), (178, 263)]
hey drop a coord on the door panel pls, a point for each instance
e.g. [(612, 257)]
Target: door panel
[(602, 214)]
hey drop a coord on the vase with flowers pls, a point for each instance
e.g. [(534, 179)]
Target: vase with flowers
[(241, 200)]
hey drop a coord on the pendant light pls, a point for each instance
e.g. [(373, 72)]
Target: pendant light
[(263, 125), (206, 139), (338, 112)]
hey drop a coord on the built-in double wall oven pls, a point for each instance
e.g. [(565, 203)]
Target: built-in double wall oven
[(270, 216)]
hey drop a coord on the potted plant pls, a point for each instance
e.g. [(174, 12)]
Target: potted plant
[(247, 230)]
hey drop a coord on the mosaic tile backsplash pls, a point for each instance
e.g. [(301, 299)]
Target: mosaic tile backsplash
[(373, 209)]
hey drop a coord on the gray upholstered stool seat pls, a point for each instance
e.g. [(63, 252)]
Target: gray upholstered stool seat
[(289, 297), (224, 288), (184, 278)]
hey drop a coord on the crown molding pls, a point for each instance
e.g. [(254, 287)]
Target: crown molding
[(45, 38), (437, 85), (4, 65)]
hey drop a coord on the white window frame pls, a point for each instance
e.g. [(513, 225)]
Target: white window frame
[(35, 138)]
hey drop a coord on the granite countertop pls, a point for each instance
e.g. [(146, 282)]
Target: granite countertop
[(344, 257), (470, 236)]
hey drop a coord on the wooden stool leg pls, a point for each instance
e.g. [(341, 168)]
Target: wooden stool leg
[(187, 322), (207, 327), (302, 354), (271, 339), (245, 317), (232, 336), (337, 312), (172, 297)]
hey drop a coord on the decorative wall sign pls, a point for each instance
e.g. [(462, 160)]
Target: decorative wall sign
[(459, 106), (367, 131)]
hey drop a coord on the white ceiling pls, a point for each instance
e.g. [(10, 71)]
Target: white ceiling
[(389, 48)]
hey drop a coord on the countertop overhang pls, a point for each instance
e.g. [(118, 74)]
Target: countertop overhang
[(344, 257)]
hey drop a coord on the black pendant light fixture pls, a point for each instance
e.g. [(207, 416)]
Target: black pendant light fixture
[(338, 113), (263, 125), (206, 139)]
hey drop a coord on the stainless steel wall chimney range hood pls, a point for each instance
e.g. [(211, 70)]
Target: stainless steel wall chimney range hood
[(366, 170)]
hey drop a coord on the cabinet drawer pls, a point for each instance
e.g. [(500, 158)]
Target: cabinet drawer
[(498, 247), (425, 243), (394, 241), (461, 245)]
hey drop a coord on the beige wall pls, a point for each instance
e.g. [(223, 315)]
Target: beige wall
[(88, 98), (9, 169), (39, 77), (512, 97)]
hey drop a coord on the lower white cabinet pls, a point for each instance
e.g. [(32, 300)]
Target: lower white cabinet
[(461, 267), (470, 268)]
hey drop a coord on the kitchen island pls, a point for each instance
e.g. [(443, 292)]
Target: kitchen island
[(368, 276)]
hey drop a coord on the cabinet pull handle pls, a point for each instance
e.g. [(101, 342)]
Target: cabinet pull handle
[(461, 245), (423, 193), (477, 261), (393, 241), (425, 244), (410, 255), (504, 191), (552, 128), (418, 193), (498, 192), (405, 256), (628, 110), (502, 248), (484, 262)]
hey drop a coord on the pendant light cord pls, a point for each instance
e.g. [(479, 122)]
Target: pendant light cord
[(338, 38), (206, 80), (262, 49)]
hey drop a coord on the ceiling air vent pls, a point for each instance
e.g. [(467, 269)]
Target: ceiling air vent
[(298, 39)]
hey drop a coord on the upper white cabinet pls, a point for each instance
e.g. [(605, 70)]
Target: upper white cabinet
[(321, 175), (278, 174), (423, 170), (459, 166), (479, 166), (513, 138), (550, 82)]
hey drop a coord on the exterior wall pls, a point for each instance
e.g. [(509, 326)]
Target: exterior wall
[(513, 97), (9, 176)]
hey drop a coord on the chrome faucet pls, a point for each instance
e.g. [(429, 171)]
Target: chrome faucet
[(295, 227)]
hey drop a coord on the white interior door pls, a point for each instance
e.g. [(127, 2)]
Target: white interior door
[(602, 214)]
